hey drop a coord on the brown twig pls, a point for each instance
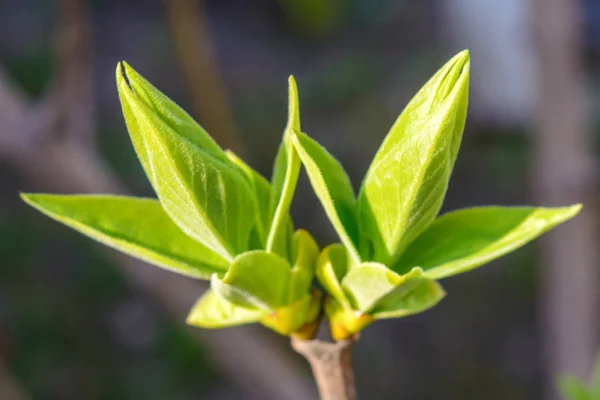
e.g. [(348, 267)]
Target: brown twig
[(51, 143), (331, 365)]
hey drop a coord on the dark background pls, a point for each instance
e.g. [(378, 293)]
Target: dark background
[(72, 326)]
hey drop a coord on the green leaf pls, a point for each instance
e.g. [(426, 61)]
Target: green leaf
[(206, 196), (367, 283), (595, 385), (256, 279), (131, 85), (462, 240), (285, 320), (135, 226), (304, 254), (407, 180), (285, 178), (262, 192), (413, 295), (333, 188), (573, 389), (212, 311), (332, 266)]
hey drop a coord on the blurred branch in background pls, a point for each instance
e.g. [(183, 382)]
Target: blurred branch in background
[(51, 143), (10, 389), (199, 67), (564, 172)]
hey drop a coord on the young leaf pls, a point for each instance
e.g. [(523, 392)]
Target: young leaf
[(138, 227), (573, 389), (256, 278), (414, 295), (304, 254), (462, 240), (331, 267), (333, 188), (407, 180), (130, 82), (367, 283), (285, 178), (212, 311), (262, 192), (208, 198), (285, 320)]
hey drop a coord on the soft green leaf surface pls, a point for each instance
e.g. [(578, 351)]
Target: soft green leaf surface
[(130, 82), (331, 267), (333, 188), (262, 192), (135, 226), (304, 254), (206, 196), (413, 295), (263, 279), (285, 178), (407, 180), (367, 283), (213, 312), (573, 389), (462, 240)]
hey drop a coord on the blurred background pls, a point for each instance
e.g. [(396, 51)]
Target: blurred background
[(80, 322)]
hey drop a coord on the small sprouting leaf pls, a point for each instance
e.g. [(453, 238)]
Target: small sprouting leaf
[(367, 283), (136, 226), (285, 178), (333, 188), (304, 253), (262, 192), (414, 295), (205, 194), (331, 267), (573, 389), (212, 311), (465, 239), (285, 320), (257, 279), (407, 180)]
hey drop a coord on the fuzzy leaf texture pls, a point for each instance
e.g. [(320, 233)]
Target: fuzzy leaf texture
[(405, 185), (135, 226), (204, 193), (465, 239), (285, 178)]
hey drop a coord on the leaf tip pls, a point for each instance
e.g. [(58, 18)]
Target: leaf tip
[(293, 107)]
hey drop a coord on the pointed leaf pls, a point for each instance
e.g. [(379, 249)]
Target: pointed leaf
[(285, 178), (257, 279), (462, 240), (262, 192), (331, 267), (130, 81), (206, 196), (367, 283), (212, 311), (406, 182), (136, 226), (333, 188)]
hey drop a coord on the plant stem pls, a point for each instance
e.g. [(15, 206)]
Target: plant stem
[(331, 366)]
